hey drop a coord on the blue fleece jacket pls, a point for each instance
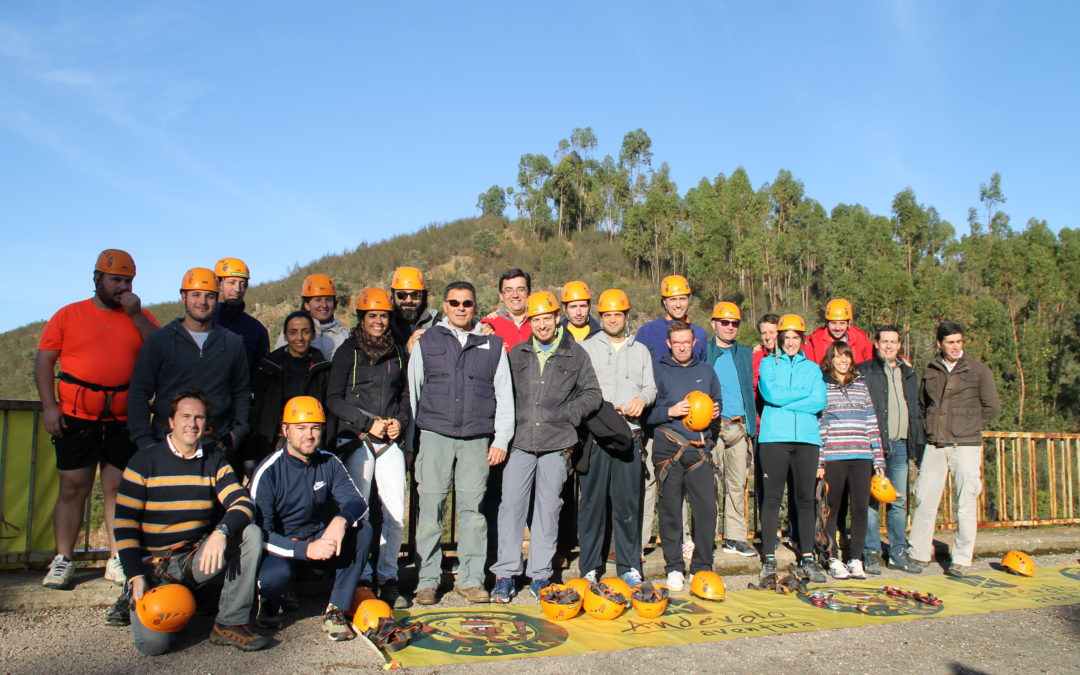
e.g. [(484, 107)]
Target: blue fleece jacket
[(794, 393), (653, 334)]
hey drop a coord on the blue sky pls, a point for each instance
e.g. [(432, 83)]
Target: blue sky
[(281, 131)]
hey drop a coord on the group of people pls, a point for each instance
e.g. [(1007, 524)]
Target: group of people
[(221, 457)]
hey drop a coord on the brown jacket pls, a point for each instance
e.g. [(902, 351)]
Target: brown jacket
[(957, 405)]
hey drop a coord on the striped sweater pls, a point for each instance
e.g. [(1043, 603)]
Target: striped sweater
[(848, 425), (167, 502)]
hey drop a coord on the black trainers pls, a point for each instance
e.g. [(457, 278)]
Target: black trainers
[(335, 625), (240, 636), (270, 615), (768, 567), (739, 548), (391, 594), (120, 614), (872, 562), (811, 570)]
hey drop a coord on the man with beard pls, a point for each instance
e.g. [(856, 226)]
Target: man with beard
[(318, 297), (96, 342), (411, 315), (233, 278)]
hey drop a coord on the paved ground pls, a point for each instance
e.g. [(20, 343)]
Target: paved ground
[(1037, 640)]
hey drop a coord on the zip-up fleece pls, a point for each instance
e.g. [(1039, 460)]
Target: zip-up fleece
[(170, 362), (744, 366), (674, 382), (848, 425), (623, 375), (793, 391), (294, 500)]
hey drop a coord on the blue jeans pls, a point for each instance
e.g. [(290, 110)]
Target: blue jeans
[(896, 468)]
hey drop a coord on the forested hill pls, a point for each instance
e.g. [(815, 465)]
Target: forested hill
[(620, 221)]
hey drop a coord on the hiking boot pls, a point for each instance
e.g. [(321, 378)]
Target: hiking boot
[(240, 636), (537, 585), (391, 594), (872, 562), (838, 570), (270, 614), (632, 577), (902, 561), (425, 596), (503, 592), (120, 613), (61, 571), (810, 569), (855, 569), (335, 625), (739, 548), (768, 567), (114, 572), (954, 570), (474, 594), (675, 581)]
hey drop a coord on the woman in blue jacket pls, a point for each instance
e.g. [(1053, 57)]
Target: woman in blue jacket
[(793, 390)]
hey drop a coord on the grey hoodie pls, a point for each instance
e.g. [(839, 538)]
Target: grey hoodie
[(623, 374)]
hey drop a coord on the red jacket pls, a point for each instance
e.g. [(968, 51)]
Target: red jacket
[(506, 328), (819, 342)]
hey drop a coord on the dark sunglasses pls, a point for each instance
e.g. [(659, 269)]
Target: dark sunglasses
[(728, 322), (405, 295), (467, 304)]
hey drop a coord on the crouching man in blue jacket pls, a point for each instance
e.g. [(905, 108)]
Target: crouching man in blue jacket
[(310, 513)]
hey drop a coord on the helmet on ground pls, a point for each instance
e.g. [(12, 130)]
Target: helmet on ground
[(373, 299), (701, 411), (115, 261), (618, 585), (599, 607), (541, 302), (726, 310), (1018, 562), (576, 290), (676, 284), (838, 309), (708, 585), (613, 300), (651, 603), (578, 584), (368, 614), (560, 603), (408, 279), (882, 489), (791, 322), (199, 279), (317, 285), (166, 608), (361, 594), (232, 267), (303, 410)]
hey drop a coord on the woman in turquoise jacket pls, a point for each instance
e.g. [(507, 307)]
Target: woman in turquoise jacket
[(793, 390)]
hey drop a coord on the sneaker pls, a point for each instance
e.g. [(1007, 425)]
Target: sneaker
[(954, 570), (390, 593), (474, 594), (240, 636), (855, 569), (631, 577), (837, 569), (114, 572), (872, 562), (537, 585), (591, 577), (335, 625), (425, 596), (675, 581), (270, 614), (811, 570), (768, 567), (739, 548), (61, 571), (688, 548), (120, 614), (290, 601), (503, 592), (903, 562)]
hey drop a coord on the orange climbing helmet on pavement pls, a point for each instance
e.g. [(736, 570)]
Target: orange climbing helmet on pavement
[(166, 608), (361, 594), (1018, 562), (317, 285), (560, 602), (601, 603), (232, 267), (368, 614), (576, 290), (373, 299), (303, 410), (115, 261), (708, 585), (541, 302), (613, 300), (791, 322), (701, 411), (676, 284), (726, 310), (882, 489), (838, 309), (408, 279), (199, 279)]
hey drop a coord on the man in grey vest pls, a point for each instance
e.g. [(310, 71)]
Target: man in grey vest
[(461, 390)]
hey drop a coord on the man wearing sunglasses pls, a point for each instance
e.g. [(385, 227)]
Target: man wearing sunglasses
[(461, 390), (411, 315), (738, 417)]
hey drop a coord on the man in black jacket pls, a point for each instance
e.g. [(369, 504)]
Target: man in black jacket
[(894, 388)]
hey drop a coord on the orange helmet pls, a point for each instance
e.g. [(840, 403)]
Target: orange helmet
[(576, 290), (882, 489), (701, 410), (541, 302), (599, 607), (650, 608), (408, 279), (317, 285), (613, 300), (368, 614), (232, 267), (838, 309), (1018, 562), (166, 608), (199, 279), (578, 584), (556, 611), (676, 284), (708, 585), (115, 261), (371, 299), (791, 322), (618, 585), (361, 594), (726, 310), (303, 410)]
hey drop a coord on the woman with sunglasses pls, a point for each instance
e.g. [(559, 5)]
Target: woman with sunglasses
[(794, 393), (368, 393)]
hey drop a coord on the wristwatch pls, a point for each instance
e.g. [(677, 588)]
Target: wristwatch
[(223, 528)]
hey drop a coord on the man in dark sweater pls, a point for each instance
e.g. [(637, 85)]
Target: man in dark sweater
[(233, 278), (168, 529)]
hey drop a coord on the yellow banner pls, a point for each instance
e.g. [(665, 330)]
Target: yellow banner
[(493, 633), (27, 474)]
